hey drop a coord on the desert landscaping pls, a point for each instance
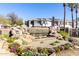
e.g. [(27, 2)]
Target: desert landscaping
[(27, 44)]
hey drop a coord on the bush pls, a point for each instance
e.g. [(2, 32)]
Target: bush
[(19, 51), (11, 39), (70, 39), (27, 53), (64, 34), (56, 42), (52, 44), (57, 50), (45, 51), (60, 38), (13, 47), (67, 46)]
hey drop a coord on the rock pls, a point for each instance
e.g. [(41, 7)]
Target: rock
[(53, 54), (76, 46), (26, 38)]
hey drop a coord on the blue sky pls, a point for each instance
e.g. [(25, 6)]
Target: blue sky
[(35, 10)]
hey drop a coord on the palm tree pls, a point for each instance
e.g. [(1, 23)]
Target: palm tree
[(76, 11), (71, 6), (64, 4)]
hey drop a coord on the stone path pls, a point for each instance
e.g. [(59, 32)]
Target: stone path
[(3, 49)]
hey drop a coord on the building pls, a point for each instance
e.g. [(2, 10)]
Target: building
[(39, 22)]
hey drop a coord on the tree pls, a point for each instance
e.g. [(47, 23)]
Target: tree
[(4, 20), (64, 5), (76, 11), (71, 6), (53, 20), (13, 17), (19, 22)]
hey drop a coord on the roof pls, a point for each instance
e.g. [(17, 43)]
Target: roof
[(42, 19)]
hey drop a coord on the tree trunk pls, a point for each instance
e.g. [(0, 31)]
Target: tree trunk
[(64, 14), (72, 18), (76, 18)]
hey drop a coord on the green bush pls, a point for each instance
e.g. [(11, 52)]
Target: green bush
[(13, 45), (57, 50), (56, 42), (11, 39), (27, 53), (19, 51), (66, 46), (64, 34), (70, 39), (52, 44), (44, 51)]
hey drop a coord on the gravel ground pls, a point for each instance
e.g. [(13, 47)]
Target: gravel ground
[(45, 43), (70, 52)]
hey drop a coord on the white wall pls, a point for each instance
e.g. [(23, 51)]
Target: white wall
[(48, 23)]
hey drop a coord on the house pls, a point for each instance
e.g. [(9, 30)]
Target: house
[(39, 22)]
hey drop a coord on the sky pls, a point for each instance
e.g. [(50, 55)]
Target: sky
[(35, 10)]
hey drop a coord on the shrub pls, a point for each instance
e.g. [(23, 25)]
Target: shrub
[(56, 42), (70, 39), (43, 51), (11, 39), (52, 44), (35, 51), (57, 50), (27, 53), (19, 51), (64, 34), (66, 46), (60, 38), (13, 47)]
